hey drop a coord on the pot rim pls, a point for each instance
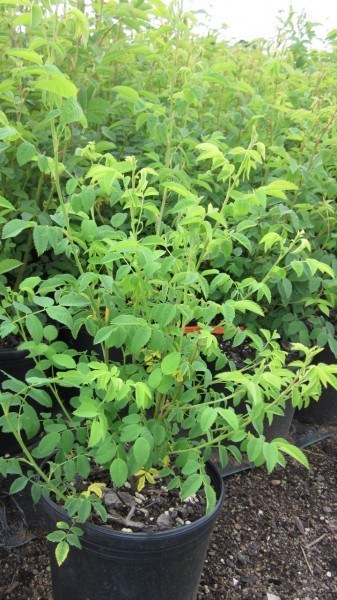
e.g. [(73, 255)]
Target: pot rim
[(111, 533)]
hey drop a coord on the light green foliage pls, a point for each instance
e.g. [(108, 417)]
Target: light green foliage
[(153, 178)]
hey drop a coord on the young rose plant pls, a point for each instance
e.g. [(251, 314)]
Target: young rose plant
[(144, 395)]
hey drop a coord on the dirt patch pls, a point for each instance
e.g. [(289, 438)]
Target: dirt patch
[(277, 535)]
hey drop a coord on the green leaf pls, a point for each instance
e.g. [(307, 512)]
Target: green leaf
[(170, 363), (83, 466), (36, 492), (239, 338), (192, 466), (58, 85), (56, 536), (74, 541), (230, 416), (41, 238), (35, 328), (131, 432), (67, 440), (9, 264), (63, 360), (228, 312), (140, 339), (179, 189), (70, 470), (60, 314), (48, 445), (61, 552), (72, 112), (50, 333), (105, 453), (207, 417), (292, 451), (254, 449), (25, 153), (192, 484), (243, 305), (8, 134), (271, 455), (18, 485), (87, 409), (126, 93), (118, 472), (16, 2), (14, 227), (155, 378), (97, 433), (141, 451), (6, 204), (270, 239), (103, 334), (143, 395), (210, 498)]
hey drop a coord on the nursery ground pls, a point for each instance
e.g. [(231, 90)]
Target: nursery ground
[(276, 538)]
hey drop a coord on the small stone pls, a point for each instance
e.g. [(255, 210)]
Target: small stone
[(329, 574), (127, 485), (191, 499), (180, 521), (126, 529), (275, 482), (327, 510), (111, 499), (127, 499), (139, 496), (242, 558), (235, 581), (164, 521)]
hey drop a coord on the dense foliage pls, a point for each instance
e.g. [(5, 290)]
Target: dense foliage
[(151, 178)]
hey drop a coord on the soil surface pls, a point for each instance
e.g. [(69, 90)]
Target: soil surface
[(275, 539)]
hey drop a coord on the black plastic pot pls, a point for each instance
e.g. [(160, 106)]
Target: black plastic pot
[(84, 343), (280, 425), (133, 566), (323, 412), (15, 363)]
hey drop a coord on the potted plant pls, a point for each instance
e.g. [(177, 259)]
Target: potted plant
[(151, 419)]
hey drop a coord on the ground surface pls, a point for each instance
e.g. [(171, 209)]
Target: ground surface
[(276, 538)]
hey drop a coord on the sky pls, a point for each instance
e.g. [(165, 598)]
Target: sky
[(249, 19)]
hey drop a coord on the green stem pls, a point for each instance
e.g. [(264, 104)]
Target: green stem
[(30, 460)]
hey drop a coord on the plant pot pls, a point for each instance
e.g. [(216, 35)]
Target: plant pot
[(323, 411), (114, 565), (33, 516), (84, 343), (15, 363), (280, 425)]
